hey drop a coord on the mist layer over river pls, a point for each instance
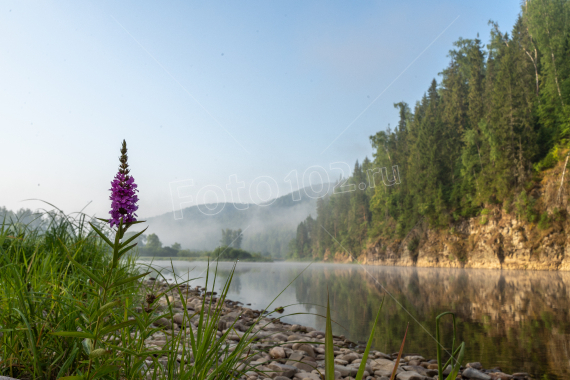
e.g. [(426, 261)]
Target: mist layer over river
[(516, 320)]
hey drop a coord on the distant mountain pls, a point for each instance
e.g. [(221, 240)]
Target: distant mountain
[(266, 228)]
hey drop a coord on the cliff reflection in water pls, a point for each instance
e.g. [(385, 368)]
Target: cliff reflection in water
[(517, 320)]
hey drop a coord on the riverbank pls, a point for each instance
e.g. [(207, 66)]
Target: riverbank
[(496, 240), (527, 230), (283, 351), (202, 258)]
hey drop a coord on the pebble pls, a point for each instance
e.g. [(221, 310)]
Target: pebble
[(475, 365), (277, 353), (472, 373), (409, 376)]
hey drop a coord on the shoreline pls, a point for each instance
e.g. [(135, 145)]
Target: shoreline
[(364, 263), (201, 259), (283, 351)]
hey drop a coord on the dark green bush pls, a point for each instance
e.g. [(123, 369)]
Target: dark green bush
[(230, 253), (547, 162), (413, 244), (544, 222), (525, 207)]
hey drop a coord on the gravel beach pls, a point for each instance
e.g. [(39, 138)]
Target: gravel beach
[(282, 351)]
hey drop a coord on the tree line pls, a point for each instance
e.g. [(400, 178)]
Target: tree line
[(229, 249), (481, 136)]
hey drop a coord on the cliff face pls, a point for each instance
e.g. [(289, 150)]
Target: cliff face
[(496, 240)]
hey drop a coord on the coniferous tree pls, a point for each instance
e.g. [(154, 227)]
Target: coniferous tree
[(499, 113)]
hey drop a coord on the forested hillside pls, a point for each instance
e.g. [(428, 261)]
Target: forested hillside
[(266, 228), (479, 138)]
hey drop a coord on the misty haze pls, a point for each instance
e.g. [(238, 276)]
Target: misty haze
[(285, 190)]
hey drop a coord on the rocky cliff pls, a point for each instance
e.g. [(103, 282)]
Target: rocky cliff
[(500, 238)]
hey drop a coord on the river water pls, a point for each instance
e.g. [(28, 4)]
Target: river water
[(515, 320)]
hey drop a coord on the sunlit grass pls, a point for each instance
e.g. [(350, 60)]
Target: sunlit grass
[(68, 312)]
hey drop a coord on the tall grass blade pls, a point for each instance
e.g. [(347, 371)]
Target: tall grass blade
[(329, 346), (118, 326), (89, 274), (101, 234), (132, 238), (362, 367), (127, 280), (74, 334), (460, 350)]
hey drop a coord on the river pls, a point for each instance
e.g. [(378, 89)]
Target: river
[(515, 320)]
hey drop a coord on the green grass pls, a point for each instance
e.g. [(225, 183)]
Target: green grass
[(41, 291), (71, 308), (75, 317)]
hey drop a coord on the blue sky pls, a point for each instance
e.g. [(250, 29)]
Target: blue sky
[(207, 90)]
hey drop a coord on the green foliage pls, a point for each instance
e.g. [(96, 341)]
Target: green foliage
[(342, 222), (153, 242), (413, 244), (76, 317), (230, 253), (152, 246), (33, 264), (484, 219), (544, 222), (159, 252), (192, 253), (507, 205), (499, 110), (525, 207), (456, 356), (558, 215), (231, 238), (547, 162)]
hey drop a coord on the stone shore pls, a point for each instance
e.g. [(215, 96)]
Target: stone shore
[(282, 351)]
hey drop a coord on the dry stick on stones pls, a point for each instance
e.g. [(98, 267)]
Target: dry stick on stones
[(399, 354)]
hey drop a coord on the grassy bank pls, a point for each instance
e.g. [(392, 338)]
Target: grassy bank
[(42, 293), (69, 310)]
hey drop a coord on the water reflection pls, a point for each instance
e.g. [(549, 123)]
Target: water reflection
[(516, 320)]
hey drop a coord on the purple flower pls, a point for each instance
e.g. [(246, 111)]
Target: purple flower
[(123, 197)]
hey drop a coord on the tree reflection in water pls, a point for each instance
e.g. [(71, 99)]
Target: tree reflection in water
[(517, 320)]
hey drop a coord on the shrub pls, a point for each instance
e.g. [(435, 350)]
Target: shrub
[(413, 244), (230, 253), (507, 204), (544, 222), (525, 207), (458, 250), (190, 253), (547, 162)]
